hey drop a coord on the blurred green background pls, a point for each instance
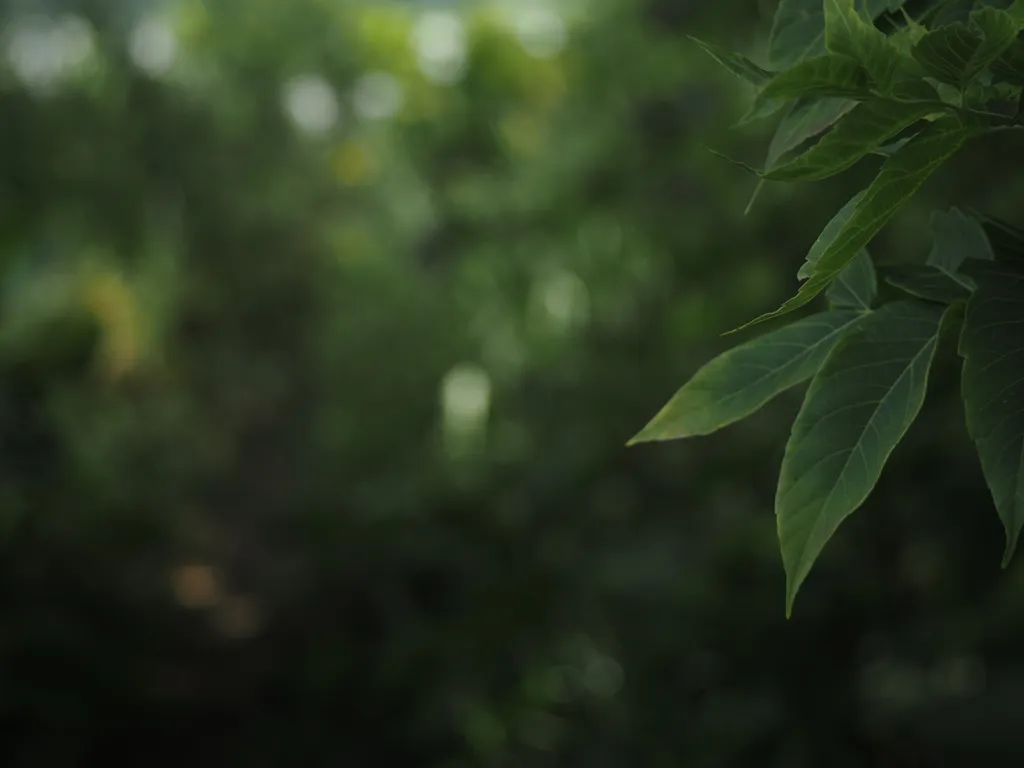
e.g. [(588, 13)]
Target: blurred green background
[(323, 328)]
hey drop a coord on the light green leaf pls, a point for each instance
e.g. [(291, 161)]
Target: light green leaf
[(798, 31), (861, 132), (856, 287), (848, 34), (926, 283), (857, 409), (957, 237), (993, 390), (900, 177), (820, 77), (958, 53), (740, 381), (739, 65)]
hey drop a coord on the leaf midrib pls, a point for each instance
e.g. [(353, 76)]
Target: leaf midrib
[(856, 448)]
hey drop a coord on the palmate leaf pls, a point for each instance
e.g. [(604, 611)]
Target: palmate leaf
[(992, 345), (798, 31), (958, 53), (859, 133), (740, 381), (821, 77), (926, 283), (848, 34), (857, 409), (856, 287), (900, 177)]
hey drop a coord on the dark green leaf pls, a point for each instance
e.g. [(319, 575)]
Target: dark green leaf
[(738, 382), (805, 120), (798, 31), (820, 77), (848, 34), (926, 283), (828, 235), (857, 409), (856, 287), (1009, 68), (957, 237), (739, 65), (1006, 239), (901, 176), (958, 53), (859, 133), (992, 344)]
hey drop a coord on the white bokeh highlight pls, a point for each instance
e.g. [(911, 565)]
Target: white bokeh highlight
[(440, 42), (312, 104)]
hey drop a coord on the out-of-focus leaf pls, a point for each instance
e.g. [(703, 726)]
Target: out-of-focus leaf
[(736, 63)]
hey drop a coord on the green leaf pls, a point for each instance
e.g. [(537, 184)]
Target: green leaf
[(993, 390), (804, 121), (821, 77), (856, 287), (857, 409), (860, 133), (1009, 68), (999, 31), (848, 34), (828, 235), (946, 53), (739, 65), (798, 31), (740, 381), (926, 283), (901, 176), (1007, 239), (957, 237), (958, 53)]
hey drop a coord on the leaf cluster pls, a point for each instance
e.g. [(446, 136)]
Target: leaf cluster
[(848, 80)]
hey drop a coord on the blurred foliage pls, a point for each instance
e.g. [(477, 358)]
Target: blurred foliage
[(324, 326)]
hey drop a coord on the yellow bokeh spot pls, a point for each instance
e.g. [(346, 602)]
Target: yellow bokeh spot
[(522, 133), (383, 36), (111, 301), (196, 586), (193, 22), (353, 164)]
